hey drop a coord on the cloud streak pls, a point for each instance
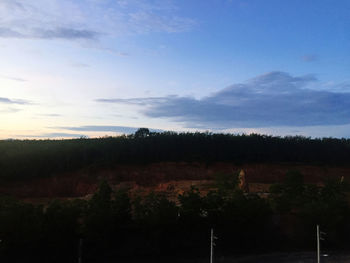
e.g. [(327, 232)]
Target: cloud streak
[(272, 99), (88, 19), (55, 33), (309, 58), (12, 101), (9, 110), (50, 115), (13, 78), (55, 135)]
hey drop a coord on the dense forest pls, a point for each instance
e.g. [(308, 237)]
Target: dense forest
[(118, 227), (22, 159)]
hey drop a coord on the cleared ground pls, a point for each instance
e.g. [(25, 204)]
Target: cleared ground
[(304, 257), (295, 257)]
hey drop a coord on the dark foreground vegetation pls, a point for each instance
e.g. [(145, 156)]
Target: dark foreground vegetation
[(118, 227), (26, 159)]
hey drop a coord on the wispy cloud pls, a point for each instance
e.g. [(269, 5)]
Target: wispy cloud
[(65, 33), (13, 101), (272, 99), (50, 115), (88, 19), (138, 101), (12, 78), (54, 135), (341, 87), (309, 58), (113, 52), (80, 65), (55, 33), (9, 110)]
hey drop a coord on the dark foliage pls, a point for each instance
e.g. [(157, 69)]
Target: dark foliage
[(114, 227), (26, 159)]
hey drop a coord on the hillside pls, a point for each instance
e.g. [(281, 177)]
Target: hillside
[(162, 192), (167, 176), (71, 168)]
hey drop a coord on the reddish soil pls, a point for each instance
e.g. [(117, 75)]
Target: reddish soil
[(171, 177)]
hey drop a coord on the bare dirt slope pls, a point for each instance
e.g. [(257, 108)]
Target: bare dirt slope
[(162, 177)]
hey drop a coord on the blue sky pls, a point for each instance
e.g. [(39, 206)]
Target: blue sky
[(105, 67)]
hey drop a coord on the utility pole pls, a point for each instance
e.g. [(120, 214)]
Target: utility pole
[(80, 251), (320, 237), (318, 244), (212, 244)]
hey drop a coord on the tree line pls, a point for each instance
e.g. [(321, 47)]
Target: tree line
[(26, 159), (119, 225)]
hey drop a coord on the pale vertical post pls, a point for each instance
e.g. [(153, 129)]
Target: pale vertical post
[(211, 245), (318, 244), (80, 252)]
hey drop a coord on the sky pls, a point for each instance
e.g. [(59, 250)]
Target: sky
[(72, 68)]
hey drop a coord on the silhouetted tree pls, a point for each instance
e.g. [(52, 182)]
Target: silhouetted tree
[(142, 133)]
